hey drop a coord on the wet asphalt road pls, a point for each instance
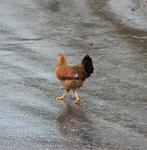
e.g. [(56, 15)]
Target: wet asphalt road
[(113, 110)]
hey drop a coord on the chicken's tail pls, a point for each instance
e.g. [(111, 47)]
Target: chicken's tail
[(87, 62)]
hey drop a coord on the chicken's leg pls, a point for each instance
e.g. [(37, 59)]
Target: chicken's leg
[(77, 101), (63, 96)]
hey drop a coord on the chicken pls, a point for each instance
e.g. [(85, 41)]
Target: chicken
[(73, 77)]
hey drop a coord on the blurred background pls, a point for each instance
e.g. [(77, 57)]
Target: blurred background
[(113, 110)]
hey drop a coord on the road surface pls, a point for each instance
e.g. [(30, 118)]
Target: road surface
[(113, 110)]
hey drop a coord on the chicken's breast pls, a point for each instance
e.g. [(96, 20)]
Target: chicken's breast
[(72, 77)]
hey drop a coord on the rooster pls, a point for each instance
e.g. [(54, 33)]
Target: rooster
[(73, 77)]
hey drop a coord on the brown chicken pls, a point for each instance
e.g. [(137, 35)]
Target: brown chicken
[(73, 77)]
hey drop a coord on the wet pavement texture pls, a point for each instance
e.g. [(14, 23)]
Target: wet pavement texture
[(113, 110)]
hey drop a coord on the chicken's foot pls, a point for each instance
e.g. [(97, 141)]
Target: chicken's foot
[(63, 96), (77, 101)]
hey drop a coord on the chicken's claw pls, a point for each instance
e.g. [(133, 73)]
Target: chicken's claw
[(60, 98), (77, 101), (63, 96)]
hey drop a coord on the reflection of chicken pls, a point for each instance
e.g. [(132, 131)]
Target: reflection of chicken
[(73, 77)]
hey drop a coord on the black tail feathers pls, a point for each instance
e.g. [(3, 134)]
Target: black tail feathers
[(87, 62)]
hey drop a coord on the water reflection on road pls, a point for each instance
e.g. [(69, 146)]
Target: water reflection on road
[(112, 114)]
